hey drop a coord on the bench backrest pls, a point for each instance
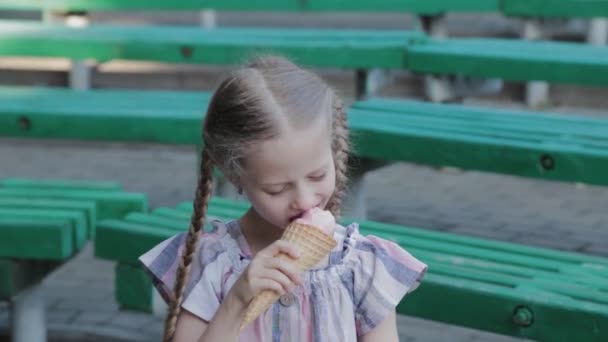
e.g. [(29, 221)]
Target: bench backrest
[(412, 6), (555, 8)]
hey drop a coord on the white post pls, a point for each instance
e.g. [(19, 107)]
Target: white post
[(598, 32), (80, 71), (28, 316), (436, 88), (208, 19), (537, 92)]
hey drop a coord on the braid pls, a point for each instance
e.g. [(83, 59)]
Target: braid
[(341, 148), (201, 201)]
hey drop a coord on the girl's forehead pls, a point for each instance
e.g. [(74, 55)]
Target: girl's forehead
[(294, 153)]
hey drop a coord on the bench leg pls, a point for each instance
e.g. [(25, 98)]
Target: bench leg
[(537, 93), (80, 71), (436, 88), (369, 82), (28, 316), (598, 32), (208, 19)]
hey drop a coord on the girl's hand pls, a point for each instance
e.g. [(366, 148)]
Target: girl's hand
[(265, 272)]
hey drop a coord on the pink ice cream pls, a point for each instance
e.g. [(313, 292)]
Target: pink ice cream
[(322, 219)]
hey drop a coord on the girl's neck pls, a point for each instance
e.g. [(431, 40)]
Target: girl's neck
[(258, 232)]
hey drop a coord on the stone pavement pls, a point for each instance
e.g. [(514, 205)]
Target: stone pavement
[(80, 298)]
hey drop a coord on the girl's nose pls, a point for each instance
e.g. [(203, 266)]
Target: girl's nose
[(304, 200)]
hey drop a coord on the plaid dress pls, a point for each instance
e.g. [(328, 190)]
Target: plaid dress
[(346, 296)]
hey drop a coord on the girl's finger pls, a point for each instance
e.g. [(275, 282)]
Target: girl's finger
[(287, 268), (269, 284), (279, 277), (281, 246)]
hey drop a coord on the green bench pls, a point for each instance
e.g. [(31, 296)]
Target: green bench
[(43, 224), (357, 50), (524, 143), (493, 286), (534, 12)]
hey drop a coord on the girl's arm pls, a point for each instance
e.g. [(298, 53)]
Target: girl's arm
[(264, 272), (385, 331), (222, 327)]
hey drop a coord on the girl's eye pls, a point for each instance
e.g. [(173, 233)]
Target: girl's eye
[(319, 177), (275, 192)]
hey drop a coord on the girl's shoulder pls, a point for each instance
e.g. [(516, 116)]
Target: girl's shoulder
[(370, 256), (222, 238), (216, 250)]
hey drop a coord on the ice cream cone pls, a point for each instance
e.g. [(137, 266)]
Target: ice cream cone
[(313, 243)]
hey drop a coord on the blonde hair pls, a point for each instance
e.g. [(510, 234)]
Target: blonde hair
[(243, 111)]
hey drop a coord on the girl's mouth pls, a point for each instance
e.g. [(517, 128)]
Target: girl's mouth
[(295, 217)]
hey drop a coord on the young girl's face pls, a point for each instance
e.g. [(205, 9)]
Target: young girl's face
[(290, 174)]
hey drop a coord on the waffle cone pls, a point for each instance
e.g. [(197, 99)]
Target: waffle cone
[(313, 244)]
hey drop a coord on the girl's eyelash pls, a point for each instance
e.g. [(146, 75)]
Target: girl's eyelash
[(274, 193), (319, 177)]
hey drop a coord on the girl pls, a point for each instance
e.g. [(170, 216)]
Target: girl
[(279, 134)]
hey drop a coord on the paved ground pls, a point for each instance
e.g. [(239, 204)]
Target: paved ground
[(80, 301), (79, 295)]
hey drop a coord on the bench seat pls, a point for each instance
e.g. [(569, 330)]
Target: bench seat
[(43, 224), (339, 48), (420, 7), (502, 287), (555, 8), (525, 143), (512, 59)]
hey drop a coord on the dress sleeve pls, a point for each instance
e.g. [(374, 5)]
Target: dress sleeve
[(202, 295), (382, 273)]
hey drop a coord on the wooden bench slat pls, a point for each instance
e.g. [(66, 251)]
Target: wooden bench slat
[(193, 45), (79, 228), (37, 238), (110, 204), (555, 8), (512, 59), (59, 184), (489, 307), (88, 207), (422, 7), (179, 225)]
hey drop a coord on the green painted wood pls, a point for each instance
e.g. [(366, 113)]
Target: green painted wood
[(512, 59), (125, 242), (87, 207), (555, 8), (77, 219), (161, 116), (511, 120), (552, 160), (319, 48), (58, 184), (36, 238), (531, 144), (133, 288), (423, 7), (478, 283), (110, 204), (18, 275), (492, 308), (178, 225)]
